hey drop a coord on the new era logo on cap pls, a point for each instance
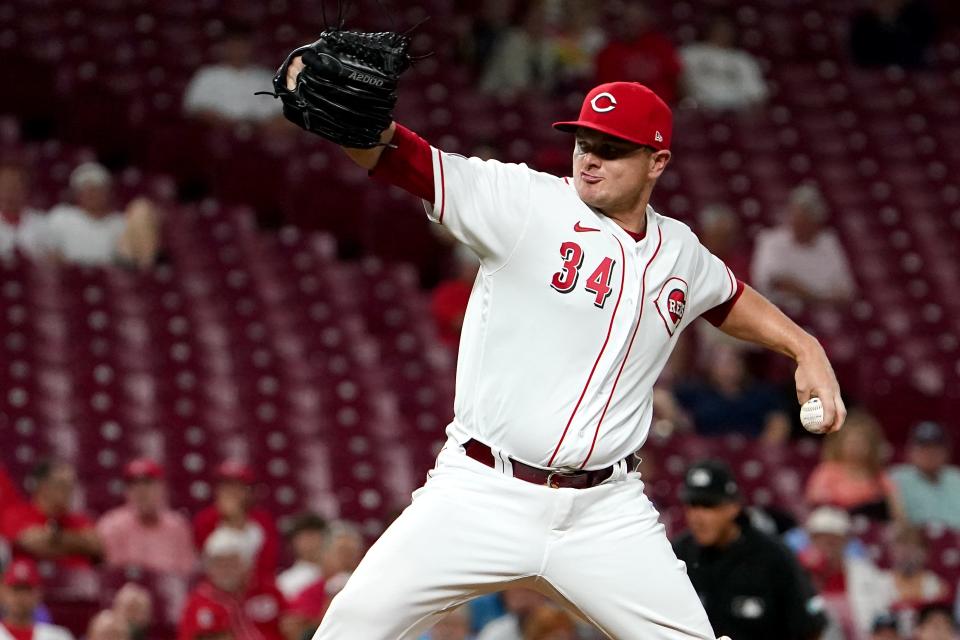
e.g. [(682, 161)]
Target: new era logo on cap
[(658, 137)]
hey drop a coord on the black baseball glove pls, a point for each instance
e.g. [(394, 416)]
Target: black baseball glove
[(348, 86)]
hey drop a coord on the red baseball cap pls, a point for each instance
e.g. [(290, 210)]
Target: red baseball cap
[(235, 470), (143, 468), (22, 572), (626, 110)]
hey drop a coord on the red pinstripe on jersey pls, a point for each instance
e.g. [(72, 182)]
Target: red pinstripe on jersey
[(623, 261), (443, 187), (643, 295)]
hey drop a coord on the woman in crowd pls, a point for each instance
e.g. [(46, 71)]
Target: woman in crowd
[(851, 475)]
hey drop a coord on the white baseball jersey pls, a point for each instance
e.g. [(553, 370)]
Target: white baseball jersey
[(571, 320)]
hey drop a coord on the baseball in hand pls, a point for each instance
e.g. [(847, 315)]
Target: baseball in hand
[(811, 415)]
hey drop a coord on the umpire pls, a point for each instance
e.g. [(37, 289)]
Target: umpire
[(751, 586)]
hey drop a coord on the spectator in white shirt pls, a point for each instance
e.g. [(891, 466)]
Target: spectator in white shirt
[(92, 232), (22, 228), (308, 538), (524, 58), (802, 261), (223, 93), (718, 75)]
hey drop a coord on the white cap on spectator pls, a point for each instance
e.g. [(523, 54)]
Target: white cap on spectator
[(90, 174), (829, 520), (226, 541)]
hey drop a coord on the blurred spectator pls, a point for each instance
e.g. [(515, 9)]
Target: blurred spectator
[(45, 527), (455, 625), (750, 583), (145, 532), (308, 537), (850, 475), (929, 487), (22, 228), (92, 232), (341, 555), (549, 623), (885, 628), (480, 35), (108, 625), (825, 557), (717, 74), (935, 622), (909, 584), (229, 591), (847, 582), (233, 507), (720, 232), (640, 53), (892, 32), (20, 597), (134, 606), (449, 299), (577, 42), (728, 401), (523, 58), (223, 93), (802, 260), (520, 605)]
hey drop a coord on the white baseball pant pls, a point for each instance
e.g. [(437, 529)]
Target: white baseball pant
[(472, 530)]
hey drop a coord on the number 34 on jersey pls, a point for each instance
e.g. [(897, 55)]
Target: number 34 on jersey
[(598, 282)]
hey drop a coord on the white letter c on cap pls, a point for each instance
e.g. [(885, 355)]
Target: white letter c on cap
[(611, 107)]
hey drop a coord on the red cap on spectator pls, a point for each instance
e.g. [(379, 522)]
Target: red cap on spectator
[(625, 110), (22, 572), (235, 470), (141, 468), (207, 621)]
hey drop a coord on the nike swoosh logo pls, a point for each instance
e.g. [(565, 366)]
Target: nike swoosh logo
[(580, 229)]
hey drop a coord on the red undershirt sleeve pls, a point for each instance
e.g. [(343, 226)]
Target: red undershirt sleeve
[(719, 313), (407, 164)]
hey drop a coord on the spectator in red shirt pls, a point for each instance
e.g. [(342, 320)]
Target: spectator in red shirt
[(254, 609), (20, 596), (233, 507), (449, 301), (45, 528), (308, 539), (641, 54), (145, 532), (209, 623), (342, 552)]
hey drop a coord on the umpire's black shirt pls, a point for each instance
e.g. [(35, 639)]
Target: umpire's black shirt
[(753, 589)]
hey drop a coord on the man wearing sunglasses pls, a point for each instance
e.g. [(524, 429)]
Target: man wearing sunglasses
[(582, 292), (750, 584)]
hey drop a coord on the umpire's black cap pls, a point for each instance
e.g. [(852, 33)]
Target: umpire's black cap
[(709, 483)]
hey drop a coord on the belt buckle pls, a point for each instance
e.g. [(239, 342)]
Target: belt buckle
[(562, 472)]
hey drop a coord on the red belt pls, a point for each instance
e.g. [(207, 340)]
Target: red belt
[(553, 478)]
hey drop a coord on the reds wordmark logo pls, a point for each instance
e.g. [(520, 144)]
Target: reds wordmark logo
[(671, 302)]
